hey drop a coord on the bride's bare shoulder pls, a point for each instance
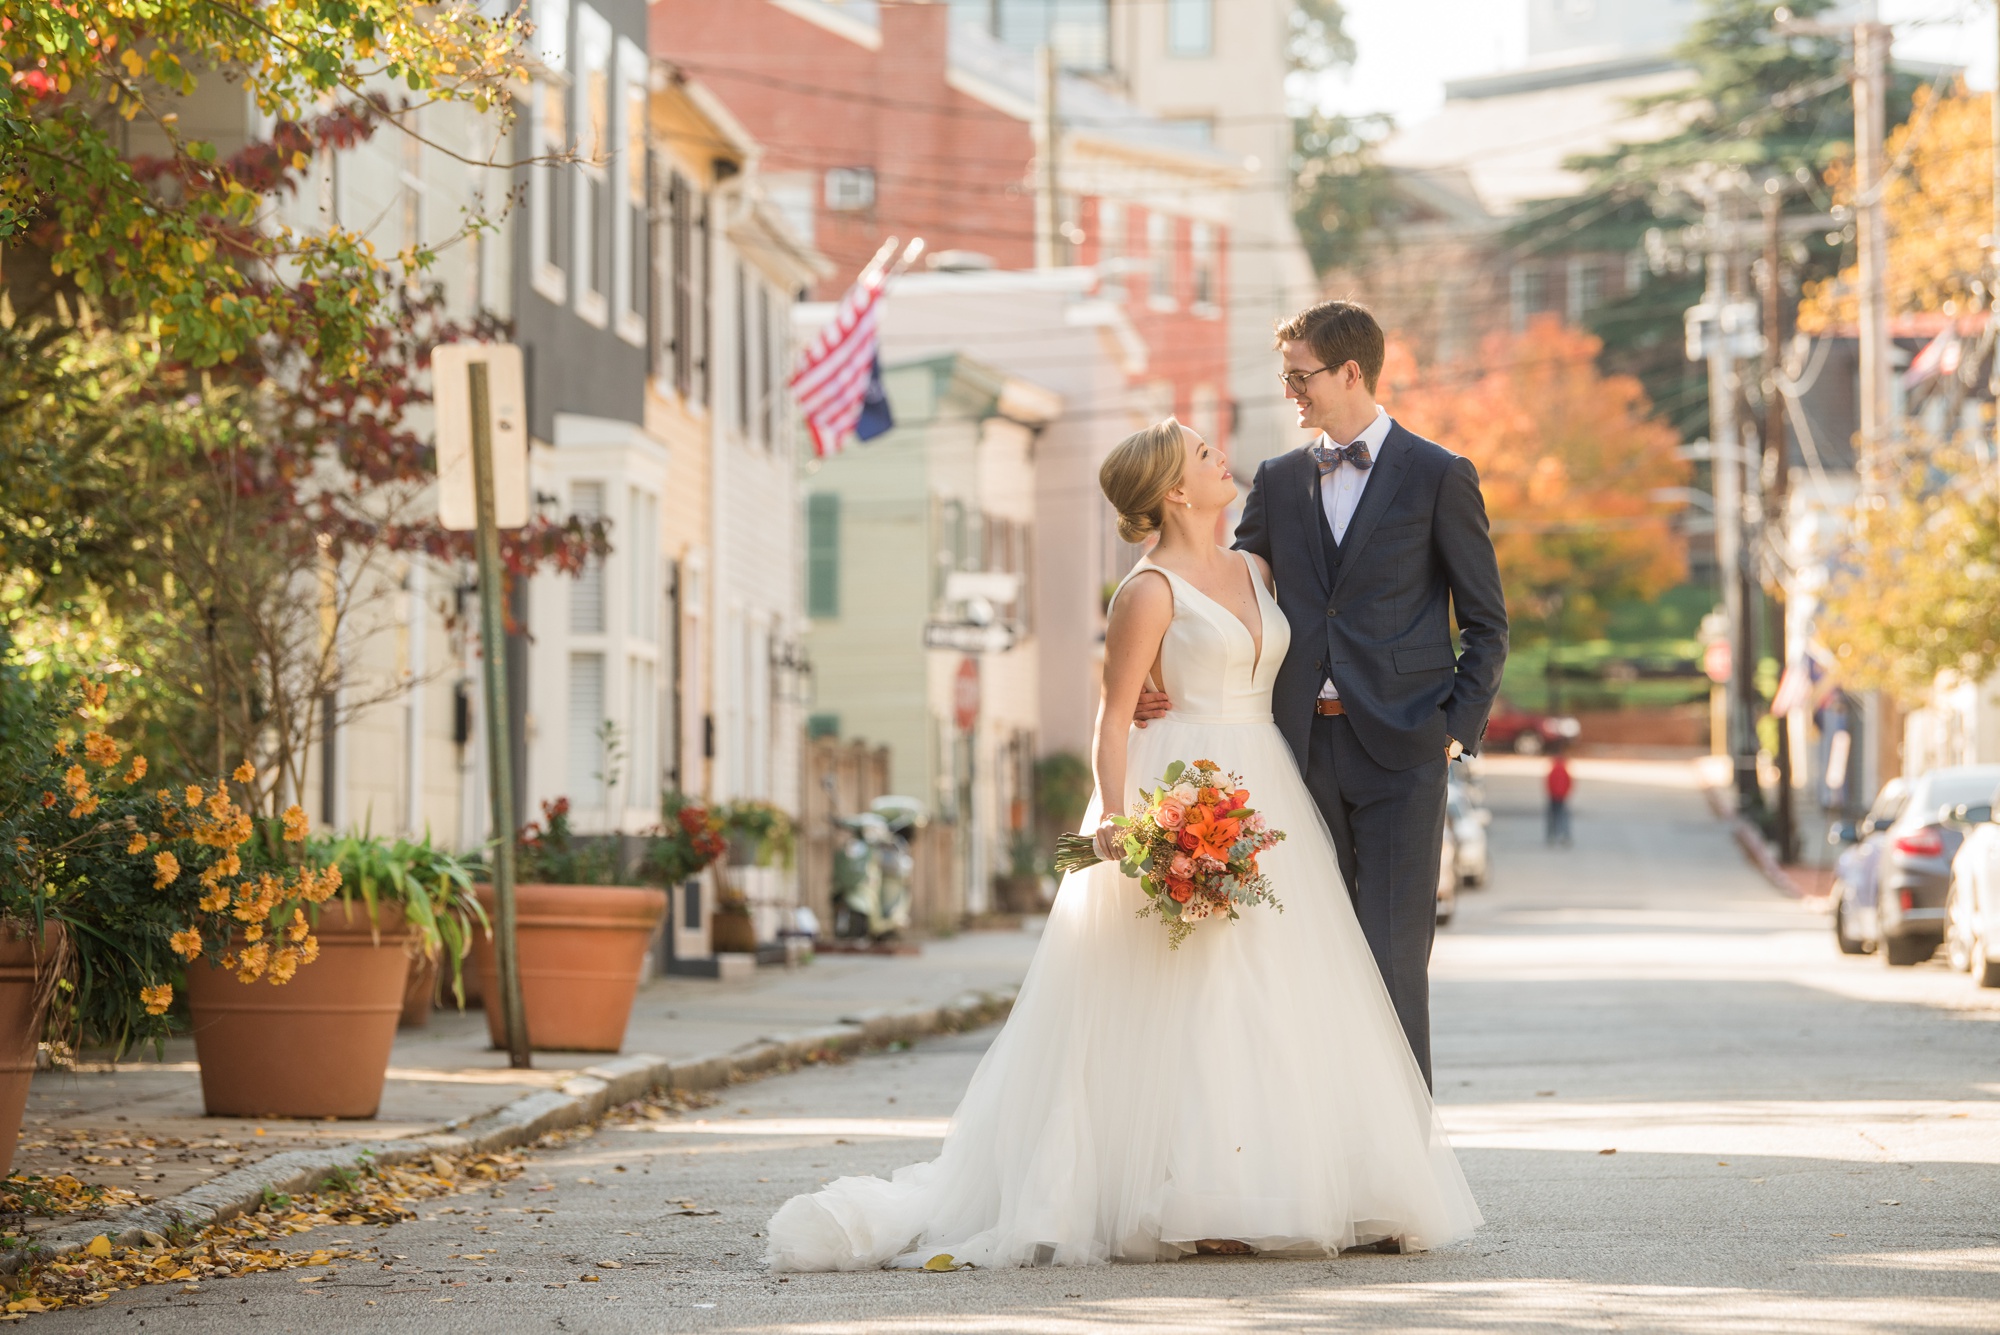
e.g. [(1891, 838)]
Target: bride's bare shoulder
[(1263, 569), (1146, 595)]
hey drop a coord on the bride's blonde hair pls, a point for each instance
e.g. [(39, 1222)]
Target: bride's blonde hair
[(1139, 472)]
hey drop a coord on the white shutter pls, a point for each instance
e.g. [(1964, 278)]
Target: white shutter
[(586, 716), (586, 596)]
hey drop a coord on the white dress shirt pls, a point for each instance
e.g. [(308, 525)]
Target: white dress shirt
[(1340, 493)]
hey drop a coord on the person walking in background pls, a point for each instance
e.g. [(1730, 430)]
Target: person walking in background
[(1558, 784)]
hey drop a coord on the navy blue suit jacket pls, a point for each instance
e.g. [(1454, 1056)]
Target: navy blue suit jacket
[(1375, 615)]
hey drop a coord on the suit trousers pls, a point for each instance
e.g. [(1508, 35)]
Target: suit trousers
[(1388, 832)]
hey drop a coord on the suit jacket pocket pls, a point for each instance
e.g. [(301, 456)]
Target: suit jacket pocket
[(1425, 658)]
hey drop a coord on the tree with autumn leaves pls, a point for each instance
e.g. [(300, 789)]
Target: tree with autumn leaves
[(1573, 465)]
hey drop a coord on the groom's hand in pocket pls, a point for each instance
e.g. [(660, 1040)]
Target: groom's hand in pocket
[(1152, 705)]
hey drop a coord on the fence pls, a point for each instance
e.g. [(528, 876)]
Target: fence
[(842, 778)]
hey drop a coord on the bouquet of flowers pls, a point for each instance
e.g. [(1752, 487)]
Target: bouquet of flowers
[(1193, 847)]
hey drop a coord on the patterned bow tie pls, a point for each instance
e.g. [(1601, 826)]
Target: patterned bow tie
[(1329, 457)]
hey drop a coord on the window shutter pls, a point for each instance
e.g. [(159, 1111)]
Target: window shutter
[(823, 555)]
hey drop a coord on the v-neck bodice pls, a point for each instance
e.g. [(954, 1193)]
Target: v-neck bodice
[(1211, 662)]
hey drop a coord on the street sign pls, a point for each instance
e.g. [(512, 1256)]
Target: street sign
[(507, 427), (965, 694), (967, 637)]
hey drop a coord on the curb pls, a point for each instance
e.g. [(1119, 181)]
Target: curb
[(583, 1098), (1751, 840)]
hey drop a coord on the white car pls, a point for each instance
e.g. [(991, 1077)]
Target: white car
[(1972, 905), (1447, 894)]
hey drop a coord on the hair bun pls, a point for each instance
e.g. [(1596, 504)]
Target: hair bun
[(1136, 528), (1137, 475)]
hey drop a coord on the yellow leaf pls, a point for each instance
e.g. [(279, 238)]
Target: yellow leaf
[(100, 1247), (942, 1261), (182, 1273), (134, 65), (299, 161)]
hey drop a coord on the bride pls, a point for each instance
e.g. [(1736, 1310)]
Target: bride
[(1251, 1091)]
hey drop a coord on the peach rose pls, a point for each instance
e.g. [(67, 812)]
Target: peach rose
[(1169, 814), (1181, 868)]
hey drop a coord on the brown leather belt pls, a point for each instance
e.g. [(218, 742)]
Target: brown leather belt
[(1329, 708)]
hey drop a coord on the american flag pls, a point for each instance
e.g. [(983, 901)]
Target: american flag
[(839, 367)]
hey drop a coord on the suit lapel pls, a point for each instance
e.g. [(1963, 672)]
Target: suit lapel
[(1375, 500), (1305, 490)]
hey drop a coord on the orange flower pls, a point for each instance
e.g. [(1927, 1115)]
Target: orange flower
[(166, 867), (294, 818), (251, 963), (94, 693), (137, 844), (192, 797), (1207, 796), (254, 932), (300, 928), (283, 965), (157, 998), (1180, 891), (186, 943), (100, 750), (138, 770), (244, 772), (309, 950), (216, 899), (1239, 798), (1214, 834)]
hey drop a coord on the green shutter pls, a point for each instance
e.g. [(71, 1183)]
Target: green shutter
[(823, 555)]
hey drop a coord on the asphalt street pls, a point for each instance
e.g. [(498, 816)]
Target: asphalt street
[(1681, 1109)]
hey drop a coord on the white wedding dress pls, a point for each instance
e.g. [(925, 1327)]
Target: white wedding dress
[(1252, 1085)]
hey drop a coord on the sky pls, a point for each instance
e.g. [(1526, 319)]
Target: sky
[(1408, 48)]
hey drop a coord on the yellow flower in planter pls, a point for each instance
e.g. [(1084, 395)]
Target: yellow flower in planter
[(157, 998), (251, 963), (283, 965), (216, 899), (300, 929), (295, 824), (193, 795), (186, 943), (254, 932), (309, 950), (166, 869)]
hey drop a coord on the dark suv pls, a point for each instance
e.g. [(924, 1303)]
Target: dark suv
[(1892, 886)]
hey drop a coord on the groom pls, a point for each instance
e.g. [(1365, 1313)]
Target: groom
[(1375, 537)]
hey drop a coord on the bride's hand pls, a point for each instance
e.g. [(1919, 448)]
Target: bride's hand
[(1110, 840)]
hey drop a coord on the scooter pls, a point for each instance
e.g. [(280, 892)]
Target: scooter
[(872, 869)]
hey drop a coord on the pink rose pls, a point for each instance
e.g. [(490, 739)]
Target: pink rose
[(1181, 868), (1169, 814)]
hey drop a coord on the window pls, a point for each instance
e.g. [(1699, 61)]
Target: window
[(415, 193), (591, 215), (764, 361), (740, 365), (642, 741), (588, 771), (1194, 129), (1584, 289), (548, 137), (642, 561), (1080, 30), (850, 189), (1110, 250), (1190, 27), (629, 245), (1160, 260), (823, 554), (1202, 257), (1527, 293), (678, 307), (586, 595)]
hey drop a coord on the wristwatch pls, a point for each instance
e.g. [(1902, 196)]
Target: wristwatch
[(1455, 750)]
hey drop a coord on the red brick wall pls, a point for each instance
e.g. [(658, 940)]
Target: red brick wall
[(947, 168)]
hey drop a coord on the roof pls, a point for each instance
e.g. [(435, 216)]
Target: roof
[(1500, 143)]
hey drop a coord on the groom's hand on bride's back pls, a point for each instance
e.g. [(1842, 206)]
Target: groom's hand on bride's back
[(1152, 705)]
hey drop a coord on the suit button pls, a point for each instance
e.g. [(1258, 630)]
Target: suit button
[(1331, 612)]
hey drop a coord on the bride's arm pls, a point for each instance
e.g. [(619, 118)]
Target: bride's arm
[(1140, 616)]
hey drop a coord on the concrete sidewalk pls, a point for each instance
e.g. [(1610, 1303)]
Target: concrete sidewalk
[(139, 1124)]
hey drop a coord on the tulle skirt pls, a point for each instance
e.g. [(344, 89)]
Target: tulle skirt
[(1252, 1085)]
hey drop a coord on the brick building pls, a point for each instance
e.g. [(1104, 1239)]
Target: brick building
[(884, 120)]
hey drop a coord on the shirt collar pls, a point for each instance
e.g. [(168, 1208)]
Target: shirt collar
[(1372, 436)]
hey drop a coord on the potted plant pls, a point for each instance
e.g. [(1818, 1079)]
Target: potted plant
[(132, 888), (580, 939), (432, 890), (759, 834)]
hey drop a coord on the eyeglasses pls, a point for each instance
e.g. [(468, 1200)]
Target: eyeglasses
[(1295, 381)]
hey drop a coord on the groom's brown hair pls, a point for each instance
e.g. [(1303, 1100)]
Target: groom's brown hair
[(1338, 332)]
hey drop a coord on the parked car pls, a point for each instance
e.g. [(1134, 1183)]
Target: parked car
[(1447, 896), (1895, 897), (1972, 908), (1468, 822), (1525, 732)]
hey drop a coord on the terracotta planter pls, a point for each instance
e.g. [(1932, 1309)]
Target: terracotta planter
[(732, 932), (317, 1046), (419, 992), (581, 951), (22, 1007)]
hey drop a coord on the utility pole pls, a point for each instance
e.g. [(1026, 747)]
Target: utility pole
[(1871, 93), (1048, 214), (1712, 338), (1777, 501), (1993, 241)]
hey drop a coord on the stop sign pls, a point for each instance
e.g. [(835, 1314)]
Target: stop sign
[(1716, 662), (965, 694)]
